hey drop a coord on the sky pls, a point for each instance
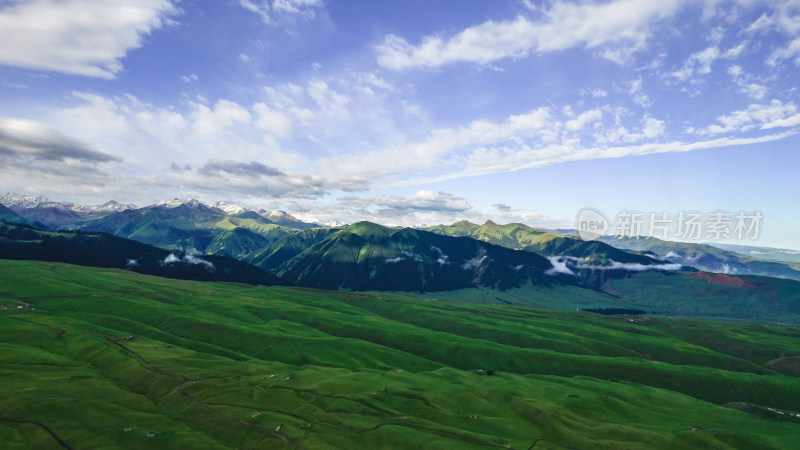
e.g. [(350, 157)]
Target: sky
[(409, 112)]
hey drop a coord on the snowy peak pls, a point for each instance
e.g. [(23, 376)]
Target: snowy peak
[(229, 209), (22, 202), (276, 215), (11, 199), (60, 214), (174, 203), (113, 206)]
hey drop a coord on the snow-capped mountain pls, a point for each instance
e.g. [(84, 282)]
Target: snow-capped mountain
[(13, 200), (114, 206), (229, 209), (72, 215), (19, 201), (283, 218), (174, 203), (276, 214), (57, 214)]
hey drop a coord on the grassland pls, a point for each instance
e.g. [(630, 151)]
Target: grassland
[(222, 365)]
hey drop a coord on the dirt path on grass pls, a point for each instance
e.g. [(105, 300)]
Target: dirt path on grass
[(42, 426), (548, 440), (182, 390)]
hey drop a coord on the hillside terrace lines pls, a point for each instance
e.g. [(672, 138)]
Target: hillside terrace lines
[(182, 390), (418, 424)]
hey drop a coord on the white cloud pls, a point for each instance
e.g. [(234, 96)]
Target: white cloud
[(188, 259), (583, 119), (327, 98), (652, 128), (559, 266), (753, 90), (274, 11), (618, 28), (700, 63), (762, 116), (790, 51), (639, 97), (791, 121), (598, 93), (746, 84), (82, 37), (224, 115), (427, 152), (370, 79), (506, 159), (28, 138), (565, 264), (633, 267), (36, 157), (273, 121), (154, 140), (422, 201)]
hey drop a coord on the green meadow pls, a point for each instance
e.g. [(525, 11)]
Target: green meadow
[(107, 358)]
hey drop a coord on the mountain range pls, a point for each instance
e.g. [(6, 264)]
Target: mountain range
[(715, 258), (511, 263)]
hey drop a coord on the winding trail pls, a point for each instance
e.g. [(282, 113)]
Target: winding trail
[(277, 411), (548, 440), (182, 390), (58, 330), (42, 426)]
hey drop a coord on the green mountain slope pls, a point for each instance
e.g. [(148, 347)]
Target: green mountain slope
[(236, 243), (9, 216), (366, 256), (272, 256), (103, 250), (99, 358), (523, 237), (591, 263), (192, 227)]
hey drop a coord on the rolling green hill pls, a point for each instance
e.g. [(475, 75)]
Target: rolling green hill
[(686, 294), (99, 358)]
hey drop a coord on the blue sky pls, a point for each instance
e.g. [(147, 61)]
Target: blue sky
[(407, 112)]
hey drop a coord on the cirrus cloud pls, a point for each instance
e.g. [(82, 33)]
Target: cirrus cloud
[(619, 28)]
